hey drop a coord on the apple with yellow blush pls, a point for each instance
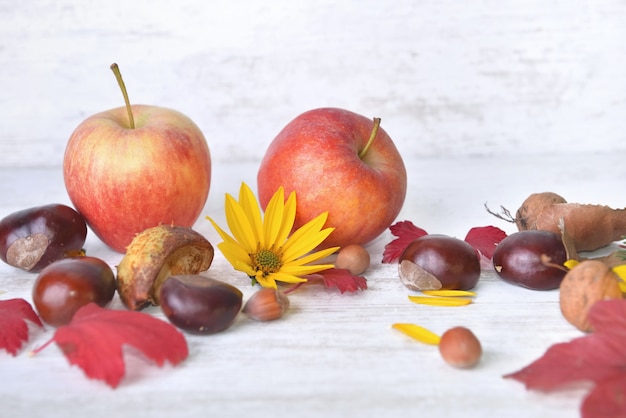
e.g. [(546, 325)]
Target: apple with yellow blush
[(134, 167)]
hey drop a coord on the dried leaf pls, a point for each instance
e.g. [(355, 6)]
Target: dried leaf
[(598, 357), (406, 232), (13, 327), (418, 333), (485, 239), (341, 279), (93, 341)]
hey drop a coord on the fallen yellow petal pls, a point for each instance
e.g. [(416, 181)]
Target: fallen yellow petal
[(446, 292), (620, 271), (418, 333), (622, 286), (440, 300)]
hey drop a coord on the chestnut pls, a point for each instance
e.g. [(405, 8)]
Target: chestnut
[(451, 261), (198, 304), (517, 259), (33, 238), (66, 285)]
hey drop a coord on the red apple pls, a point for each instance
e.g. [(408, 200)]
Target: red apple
[(340, 162), (124, 178)]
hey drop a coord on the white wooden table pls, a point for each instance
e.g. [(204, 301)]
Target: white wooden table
[(487, 102), (333, 355)]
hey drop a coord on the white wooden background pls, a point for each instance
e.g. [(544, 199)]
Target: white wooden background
[(479, 77), (487, 100)]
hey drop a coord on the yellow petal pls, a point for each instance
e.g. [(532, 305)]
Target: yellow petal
[(273, 221), (570, 264), (440, 300), (620, 271), (221, 232), (305, 270), (237, 257), (286, 278), (306, 238), (289, 217), (417, 332), (448, 293), (251, 208), (310, 258), (239, 225), (622, 286), (266, 281)]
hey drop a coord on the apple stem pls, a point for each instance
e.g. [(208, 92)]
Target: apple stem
[(370, 141), (120, 82)]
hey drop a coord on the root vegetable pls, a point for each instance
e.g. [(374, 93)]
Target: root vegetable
[(590, 227), (584, 285)]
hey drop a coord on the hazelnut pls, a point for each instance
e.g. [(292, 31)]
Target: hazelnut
[(460, 348), (266, 304), (354, 258), (585, 284)]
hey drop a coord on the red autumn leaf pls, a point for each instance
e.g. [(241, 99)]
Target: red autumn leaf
[(484, 239), (13, 327), (598, 357), (406, 232), (341, 279), (94, 338)]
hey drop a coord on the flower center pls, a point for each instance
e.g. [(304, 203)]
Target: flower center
[(266, 261)]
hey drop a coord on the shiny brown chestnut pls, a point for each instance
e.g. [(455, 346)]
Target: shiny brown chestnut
[(33, 238), (66, 285), (518, 259), (200, 305), (450, 260)]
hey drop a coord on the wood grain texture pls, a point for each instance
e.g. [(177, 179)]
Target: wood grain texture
[(333, 355), (448, 78)]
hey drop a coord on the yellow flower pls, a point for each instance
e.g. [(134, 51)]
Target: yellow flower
[(263, 248)]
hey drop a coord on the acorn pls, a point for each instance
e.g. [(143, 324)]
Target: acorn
[(266, 304)]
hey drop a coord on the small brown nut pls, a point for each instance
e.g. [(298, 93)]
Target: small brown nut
[(585, 284), (354, 258), (460, 348), (153, 256), (266, 304)]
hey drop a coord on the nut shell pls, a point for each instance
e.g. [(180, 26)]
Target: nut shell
[(460, 348), (266, 304), (354, 257), (585, 284), (153, 256)]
